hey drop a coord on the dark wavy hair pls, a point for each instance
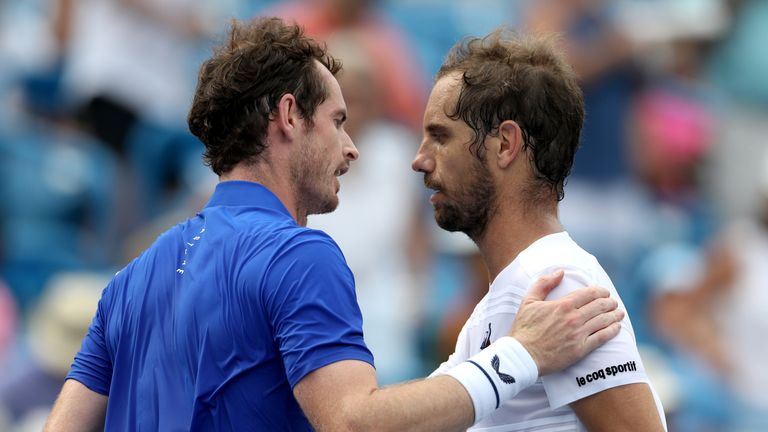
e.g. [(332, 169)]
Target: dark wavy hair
[(526, 80), (241, 84)]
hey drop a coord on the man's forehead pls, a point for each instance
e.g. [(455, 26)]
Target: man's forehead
[(446, 90), (444, 95), (448, 86), (335, 99)]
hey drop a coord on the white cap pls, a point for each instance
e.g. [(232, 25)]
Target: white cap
[(61, 318)]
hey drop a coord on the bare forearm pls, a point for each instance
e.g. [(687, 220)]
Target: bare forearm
[(344, 396), (439, 403)]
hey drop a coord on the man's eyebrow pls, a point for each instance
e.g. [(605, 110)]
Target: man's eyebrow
[(436, 129)]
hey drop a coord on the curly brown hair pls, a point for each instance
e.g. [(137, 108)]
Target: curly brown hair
[(527, 80), (241, 84)]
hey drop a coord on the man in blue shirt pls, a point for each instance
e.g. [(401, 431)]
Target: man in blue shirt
[(241, 318)]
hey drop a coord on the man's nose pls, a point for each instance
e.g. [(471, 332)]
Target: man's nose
[(423, 163), (350, 151)]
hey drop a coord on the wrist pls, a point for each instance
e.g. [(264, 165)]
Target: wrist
[(496, 374)]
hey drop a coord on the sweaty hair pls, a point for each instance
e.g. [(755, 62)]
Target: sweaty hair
[(241, 84), (526, 80)]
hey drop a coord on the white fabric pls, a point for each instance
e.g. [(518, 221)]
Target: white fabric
[(543, 406), (496, 374)]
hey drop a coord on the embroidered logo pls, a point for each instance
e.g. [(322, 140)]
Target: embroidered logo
[(487, 340), (506, 379)]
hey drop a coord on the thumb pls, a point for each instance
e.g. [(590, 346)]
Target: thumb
[(545, 284)]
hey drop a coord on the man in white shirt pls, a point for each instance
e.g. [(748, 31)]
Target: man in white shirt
[(500, 131)]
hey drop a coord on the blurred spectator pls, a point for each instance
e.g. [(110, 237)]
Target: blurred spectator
[(602, 57), (374, 224), (132, 59), (57, 184), (673, 135), (397, 75), (722, 315), (129, 68), (56, 328), (742, 318)]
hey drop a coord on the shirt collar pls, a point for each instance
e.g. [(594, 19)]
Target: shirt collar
[(239, 193)]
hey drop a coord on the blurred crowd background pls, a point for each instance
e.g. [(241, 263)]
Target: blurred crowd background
[(669, 190)]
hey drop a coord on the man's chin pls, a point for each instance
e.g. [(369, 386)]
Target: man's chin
[(455, 223), (326, 206), (447, 223)]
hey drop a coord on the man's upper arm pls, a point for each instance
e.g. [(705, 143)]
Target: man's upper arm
[(631, 407), (309, 297), (77, 409), (614, 364), (611, 379)]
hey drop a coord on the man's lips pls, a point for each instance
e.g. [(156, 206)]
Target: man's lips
[(429, 184), (341, 170)]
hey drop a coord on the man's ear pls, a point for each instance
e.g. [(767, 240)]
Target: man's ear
[(287, 115), (510, 143)]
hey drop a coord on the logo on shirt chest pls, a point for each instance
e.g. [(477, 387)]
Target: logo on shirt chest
[(486, 338)]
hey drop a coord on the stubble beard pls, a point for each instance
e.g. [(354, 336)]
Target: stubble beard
[(309, 176), (472, 208)]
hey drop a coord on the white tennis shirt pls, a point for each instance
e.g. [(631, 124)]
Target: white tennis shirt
[(544, 405)]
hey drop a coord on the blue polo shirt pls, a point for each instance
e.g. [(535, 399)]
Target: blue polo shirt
[(212, 326)]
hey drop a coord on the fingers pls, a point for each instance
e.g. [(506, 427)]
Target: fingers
[(545, 284), (598, 306), (603, 321), (601, 336), (583, 296)]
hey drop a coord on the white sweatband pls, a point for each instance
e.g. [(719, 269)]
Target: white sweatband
[(496, 374)]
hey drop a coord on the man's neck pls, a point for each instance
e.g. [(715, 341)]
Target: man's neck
[(279, 185), (511, 230)]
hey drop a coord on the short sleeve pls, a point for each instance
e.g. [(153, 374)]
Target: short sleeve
[(92, 366), (309, 296), (615, 363)]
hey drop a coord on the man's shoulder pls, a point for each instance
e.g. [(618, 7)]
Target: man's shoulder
[(292, 246), (556, 251), (289, 237)]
